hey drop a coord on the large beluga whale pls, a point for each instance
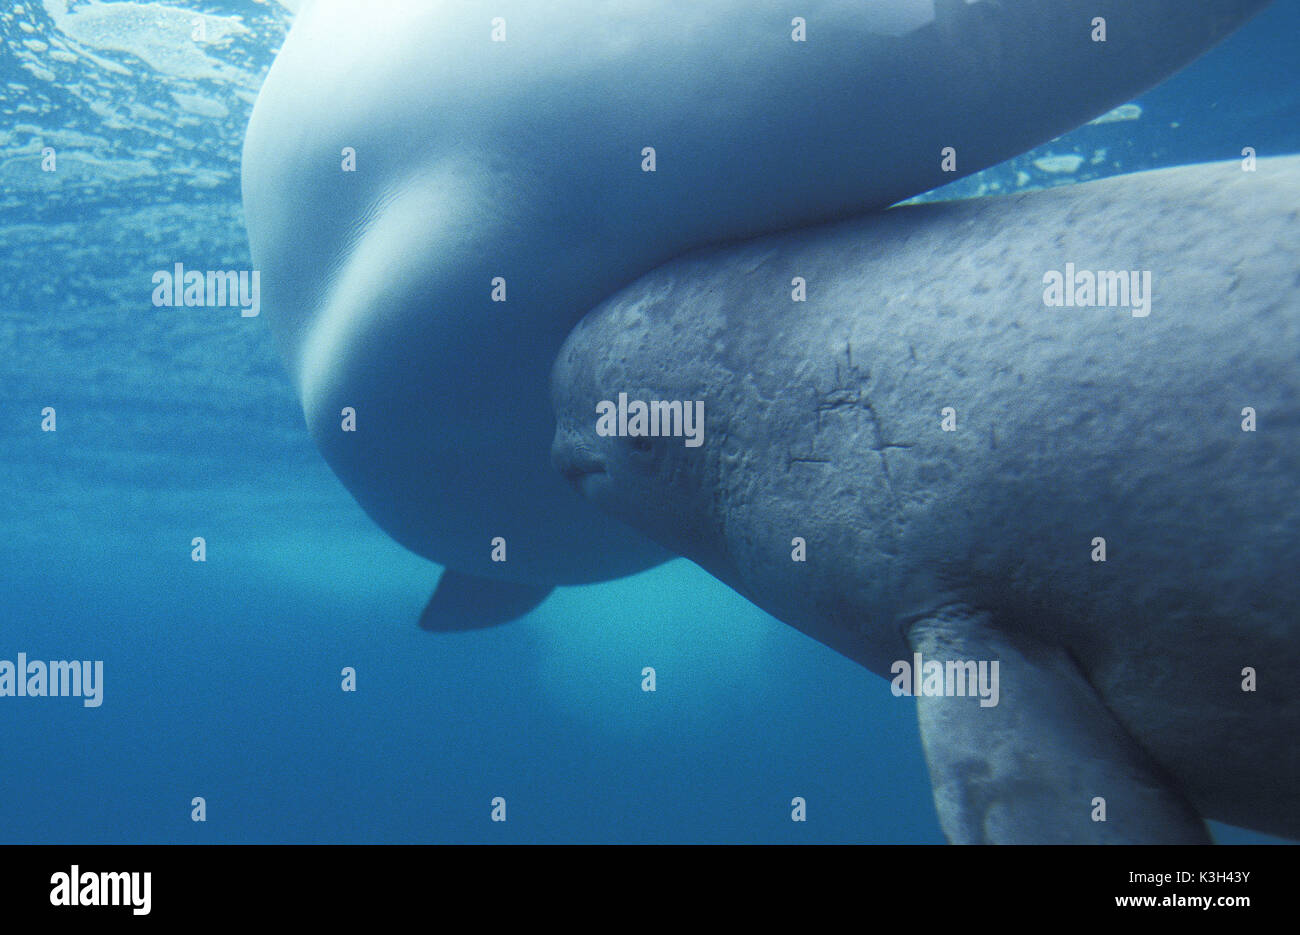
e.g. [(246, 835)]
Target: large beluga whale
[(436, 192), (1033, 459)]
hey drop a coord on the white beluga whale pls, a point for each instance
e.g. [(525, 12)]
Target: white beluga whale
[(435, 193), (1042, 446)]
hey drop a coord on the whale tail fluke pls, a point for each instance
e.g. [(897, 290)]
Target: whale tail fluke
[(464, 602)]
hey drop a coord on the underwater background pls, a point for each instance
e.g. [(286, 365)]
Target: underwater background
[(222, 678)]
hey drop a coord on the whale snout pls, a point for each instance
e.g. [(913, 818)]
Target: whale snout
[(573, 459)]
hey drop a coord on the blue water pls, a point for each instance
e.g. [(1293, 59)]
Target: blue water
[(222, 679)]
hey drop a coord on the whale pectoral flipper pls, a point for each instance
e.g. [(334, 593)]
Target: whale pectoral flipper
[(465, 602), (1032, 767)]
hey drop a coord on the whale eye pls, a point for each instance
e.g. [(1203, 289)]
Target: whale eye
[(643, 453)]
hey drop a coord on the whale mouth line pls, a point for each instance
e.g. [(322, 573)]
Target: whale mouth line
[(575, 473), (576, 464), (582, 479)]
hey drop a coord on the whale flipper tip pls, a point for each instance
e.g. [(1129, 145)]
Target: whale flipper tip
[(465, 602)]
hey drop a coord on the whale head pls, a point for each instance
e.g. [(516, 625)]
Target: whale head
[(639, 421)]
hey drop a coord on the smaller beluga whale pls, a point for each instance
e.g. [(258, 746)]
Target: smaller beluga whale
[(435, 193), (1034, 459)]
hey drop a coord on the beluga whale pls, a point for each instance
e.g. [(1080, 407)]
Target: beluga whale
[(436, 193), (1031, 458)]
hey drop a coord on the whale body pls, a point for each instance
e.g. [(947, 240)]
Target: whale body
[(956, 450), (408, 165)]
